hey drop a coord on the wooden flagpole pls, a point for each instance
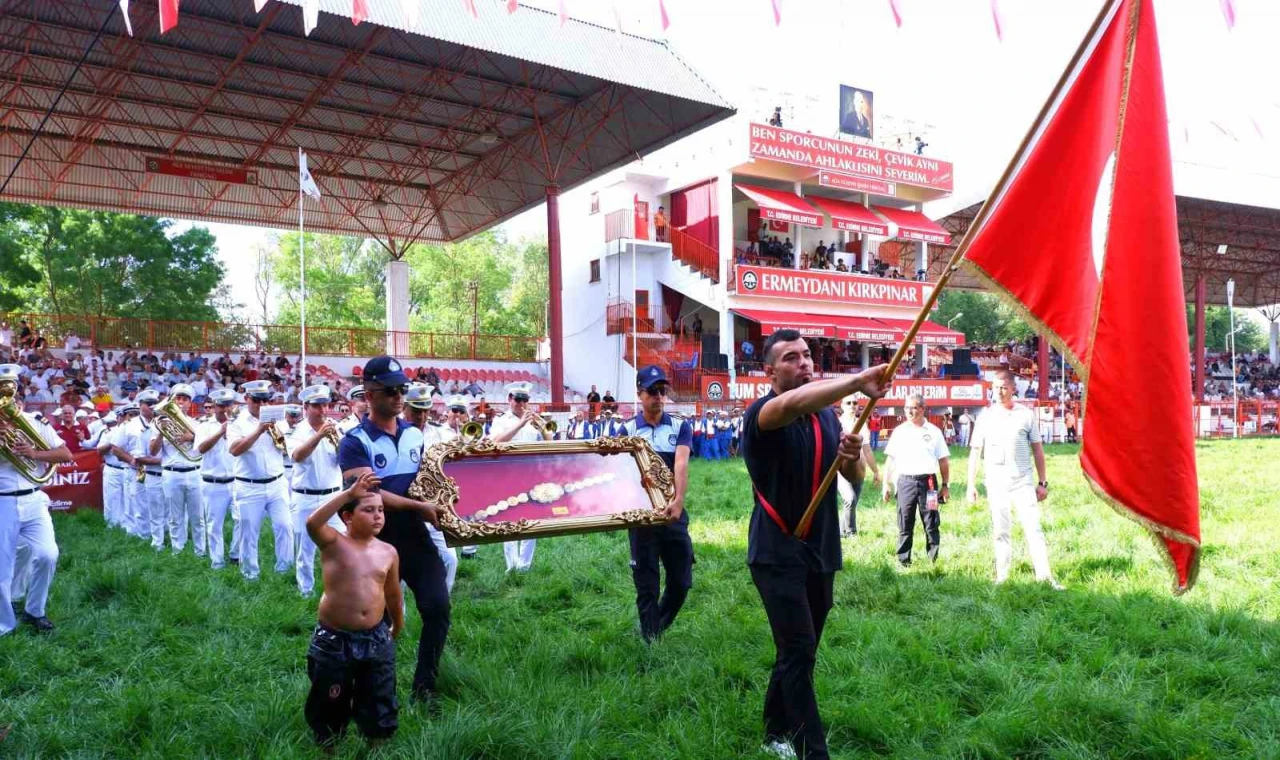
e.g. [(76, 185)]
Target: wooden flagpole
[(802, 528)]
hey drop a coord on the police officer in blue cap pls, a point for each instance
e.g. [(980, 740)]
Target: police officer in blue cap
[(391, 448), (670, 437)]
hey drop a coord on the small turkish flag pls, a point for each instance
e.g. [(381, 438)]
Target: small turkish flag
[(359, 11), (470, 7), (564, 13), (168, 15), (1091, 194), (777, 12), (662, 12), (897, 12), (512, 5)]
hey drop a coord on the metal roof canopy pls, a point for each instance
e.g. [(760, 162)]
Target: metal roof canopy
[(1252, 258), (411, 136)]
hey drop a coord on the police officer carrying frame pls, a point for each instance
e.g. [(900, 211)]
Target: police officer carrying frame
[(392, 449), (790, 437), (671, 439)]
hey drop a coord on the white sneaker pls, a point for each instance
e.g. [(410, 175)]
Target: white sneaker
[(779, 748)]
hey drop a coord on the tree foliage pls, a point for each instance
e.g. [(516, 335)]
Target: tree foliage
[(1217, 325), (65, 261), (986, 319), (484, 281)]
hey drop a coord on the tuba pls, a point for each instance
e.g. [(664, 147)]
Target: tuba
[(17, 429), (172, 423)]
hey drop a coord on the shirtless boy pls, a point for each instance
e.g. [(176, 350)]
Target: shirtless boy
[(352, 657)]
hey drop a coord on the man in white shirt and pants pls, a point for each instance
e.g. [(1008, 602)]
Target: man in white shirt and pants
[(1006, 439), (517, 424), (113, 471), (156, 514), (217, 475), (316, 478), (260, 484), (20, 520), (359, 408), (919, 460), (181, 483)]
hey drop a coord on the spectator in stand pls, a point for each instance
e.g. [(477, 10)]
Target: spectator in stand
[(25, 337), (609, 404), (593, 399), (69, 429), (697, 328), (473, 389), (660, 225), (874, 425), (6, 335), (840, 267)]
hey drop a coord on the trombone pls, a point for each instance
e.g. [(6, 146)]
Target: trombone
[(15, 429)]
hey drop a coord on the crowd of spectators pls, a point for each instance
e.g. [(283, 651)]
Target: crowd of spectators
[(768, 250), (1255, 376)]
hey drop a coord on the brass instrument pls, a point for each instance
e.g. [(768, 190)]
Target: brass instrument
[(141, 477), (16, 429), (332, 435), (173, 423), (277, 438), (545, 424), (472, 431)]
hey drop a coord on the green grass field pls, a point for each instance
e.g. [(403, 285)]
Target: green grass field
[(160, 657)]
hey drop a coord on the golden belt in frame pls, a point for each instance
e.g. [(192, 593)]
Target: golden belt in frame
[(545, 494)]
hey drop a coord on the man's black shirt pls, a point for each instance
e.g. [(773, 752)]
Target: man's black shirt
[(782, 469)]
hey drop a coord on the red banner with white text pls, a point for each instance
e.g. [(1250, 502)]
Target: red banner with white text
[(78, 484), (849, 158), (832, 287)]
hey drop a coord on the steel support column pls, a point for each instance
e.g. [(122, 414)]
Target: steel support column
[(1042, 363), (555, 280), (1198, 356)]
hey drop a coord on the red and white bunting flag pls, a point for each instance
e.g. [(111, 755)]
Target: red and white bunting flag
[(1092, 193), (168, 15), (258, 5), (897, 12), (995, 18), (411, 10), (564, 13), (470, 7), (777, 12), (124, 11), (1229, 12), (512, 5), (310, 15), (662, 14), (359, 11)]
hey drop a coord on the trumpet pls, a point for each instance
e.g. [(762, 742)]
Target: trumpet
[(277, 437), (332, 436), (15, 429), (472, 431), (545, 424), (173, 424), (141, 475)]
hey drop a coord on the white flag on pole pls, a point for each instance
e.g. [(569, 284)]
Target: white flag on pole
[(310, 15), (305, 180), (411, 9), (124, 10), (258, 5)]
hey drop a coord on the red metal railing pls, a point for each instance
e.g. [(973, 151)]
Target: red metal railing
[(210, 337), (695, 254)]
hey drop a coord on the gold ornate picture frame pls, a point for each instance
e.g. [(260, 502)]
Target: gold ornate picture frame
[(492, 492)]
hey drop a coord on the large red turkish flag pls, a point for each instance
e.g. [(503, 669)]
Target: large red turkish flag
[(1083, 237)]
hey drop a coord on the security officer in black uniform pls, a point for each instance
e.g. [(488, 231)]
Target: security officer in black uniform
[(671, 438)]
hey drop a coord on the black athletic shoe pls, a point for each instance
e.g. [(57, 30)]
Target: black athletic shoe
[(41, 624)]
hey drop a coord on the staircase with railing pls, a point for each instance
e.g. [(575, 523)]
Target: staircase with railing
[(695, 254)]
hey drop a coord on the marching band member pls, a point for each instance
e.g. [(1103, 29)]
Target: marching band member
[(359, 408), (217, 475), (260, 485), (123, 444), (417, 405), (113, 472), (670, 437), (181, 484), (518, 424), (313, 447), (292, 416), (22, 523), (155, 514)]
